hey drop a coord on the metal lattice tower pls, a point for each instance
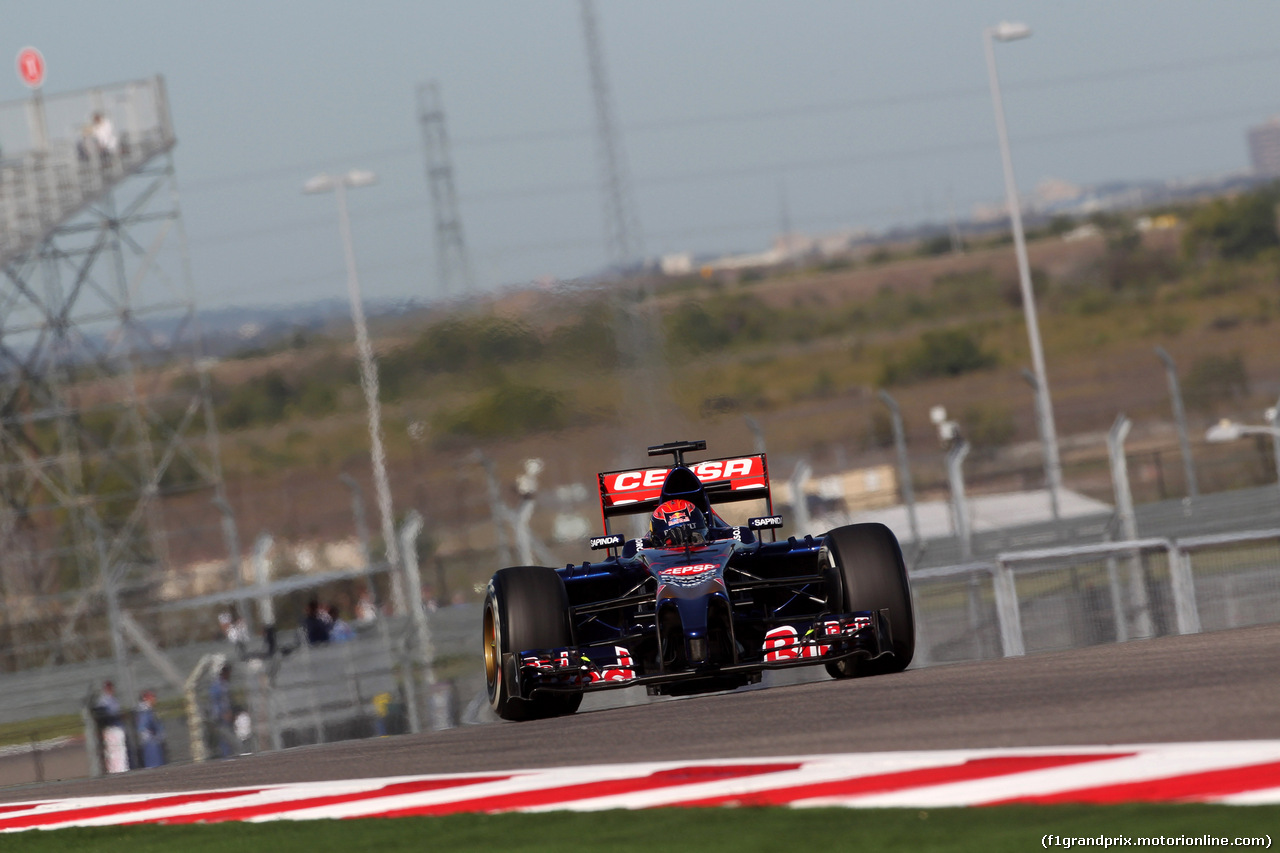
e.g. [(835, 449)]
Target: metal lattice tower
[(451, 248), (622, 224), (105, 417)]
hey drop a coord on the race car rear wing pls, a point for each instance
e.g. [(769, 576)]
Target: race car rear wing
[(733, 478)]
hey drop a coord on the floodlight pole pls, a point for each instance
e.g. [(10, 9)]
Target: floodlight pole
[(1044, 441), (1053, 464), (371, 586), (368, 377)]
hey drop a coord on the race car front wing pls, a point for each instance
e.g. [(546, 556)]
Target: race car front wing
[(866, 634)]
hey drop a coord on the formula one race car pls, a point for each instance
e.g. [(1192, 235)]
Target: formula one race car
[(697, 604)]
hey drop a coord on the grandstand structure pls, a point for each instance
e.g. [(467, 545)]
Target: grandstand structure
[(105, 414)]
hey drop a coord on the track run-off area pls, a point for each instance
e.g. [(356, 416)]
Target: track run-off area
[(1189, 718)]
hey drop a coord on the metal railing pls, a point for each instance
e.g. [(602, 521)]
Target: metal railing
[(51, 166), (1017, 602), (1071, 596)]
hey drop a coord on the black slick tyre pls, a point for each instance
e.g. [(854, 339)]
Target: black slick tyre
[(865, 571), (526, 607)]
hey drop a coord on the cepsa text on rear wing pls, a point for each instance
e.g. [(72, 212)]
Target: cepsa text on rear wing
[(734, 478)]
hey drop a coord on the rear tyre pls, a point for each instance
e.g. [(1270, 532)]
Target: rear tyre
[(526, 608), (866, 572)]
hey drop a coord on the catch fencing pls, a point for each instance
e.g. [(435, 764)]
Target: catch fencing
[(1047, 599), (1014, 602)]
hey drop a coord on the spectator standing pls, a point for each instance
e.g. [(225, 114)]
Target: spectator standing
[(365, 609), (150, 731), (108, 705), (339, 630), (105, 136), (220, 713), (115, 751), (234, 627), (316, 624), (244, 731)]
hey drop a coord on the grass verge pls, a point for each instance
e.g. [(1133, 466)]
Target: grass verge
[(44, 728), (1000, 828)]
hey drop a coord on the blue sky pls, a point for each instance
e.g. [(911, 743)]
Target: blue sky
[(869, 114)]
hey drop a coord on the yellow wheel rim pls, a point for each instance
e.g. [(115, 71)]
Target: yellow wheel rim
[(491, 654)]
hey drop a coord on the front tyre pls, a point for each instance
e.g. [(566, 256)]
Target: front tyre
[(526, 607), (866, 571)]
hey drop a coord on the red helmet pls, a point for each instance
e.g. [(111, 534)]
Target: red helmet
[(678, 522)]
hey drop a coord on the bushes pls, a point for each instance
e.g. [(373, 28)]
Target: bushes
[(699, 327), (1129, 272), (508, 410), (1137, 270), (270, 398), (971, 291), (939, 353), (484, 344), (474, 350), (988, 426), (710, 325), (1213, 379), (1235, 228), (590, 342), (466, 343), (938, 244)]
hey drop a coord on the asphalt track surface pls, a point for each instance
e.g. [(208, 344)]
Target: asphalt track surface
[(1219, 686)]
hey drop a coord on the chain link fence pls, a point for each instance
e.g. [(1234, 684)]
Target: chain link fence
[(1207, 563), (1070, 597)]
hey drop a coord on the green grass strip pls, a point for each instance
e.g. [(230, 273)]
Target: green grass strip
[(44, 728), (1012, 828)]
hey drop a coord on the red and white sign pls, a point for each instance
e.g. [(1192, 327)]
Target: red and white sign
[(31, 67), (624, 487)]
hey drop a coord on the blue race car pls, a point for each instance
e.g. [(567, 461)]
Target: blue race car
[(696, 604)]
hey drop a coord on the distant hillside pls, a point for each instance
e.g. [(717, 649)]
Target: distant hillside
[(583, 378)]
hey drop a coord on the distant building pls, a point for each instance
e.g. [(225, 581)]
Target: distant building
[(1264, 147), (678, 263), (1054, 193)]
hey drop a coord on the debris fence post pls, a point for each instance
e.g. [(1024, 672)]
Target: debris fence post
[(959, 503)]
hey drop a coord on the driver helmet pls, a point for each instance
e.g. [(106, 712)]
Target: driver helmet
[(678, 522)]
